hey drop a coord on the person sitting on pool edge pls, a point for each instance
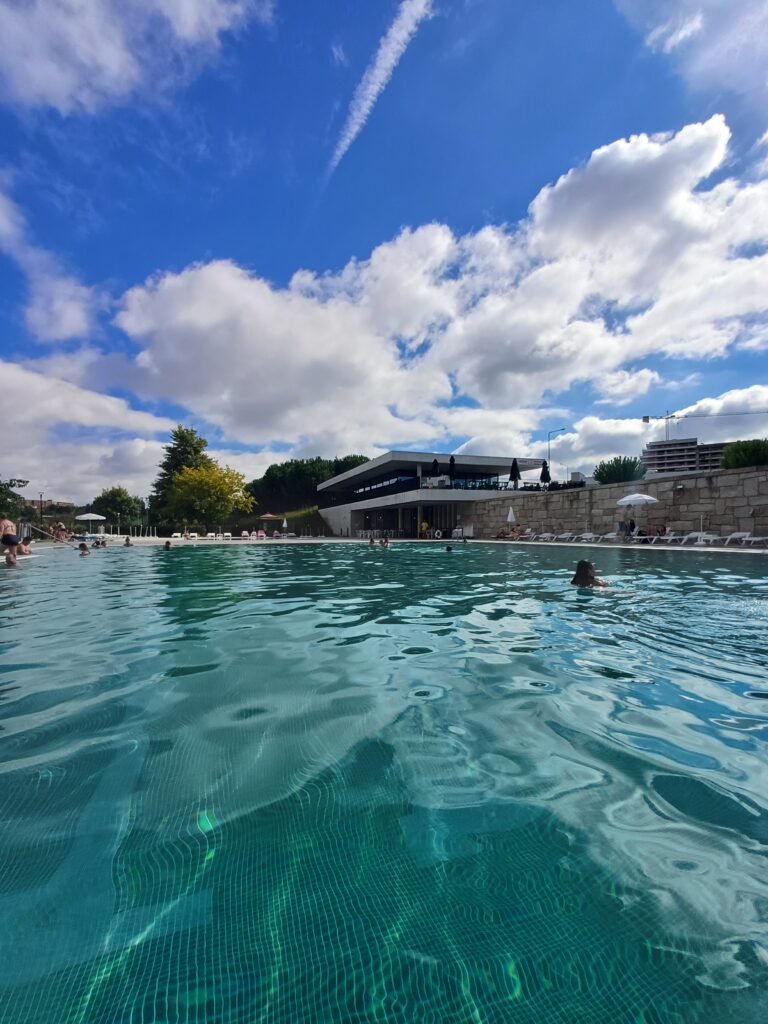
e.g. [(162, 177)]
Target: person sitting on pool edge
[(585, 576), (24, 548)]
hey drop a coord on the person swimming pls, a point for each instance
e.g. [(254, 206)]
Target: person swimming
[(167, 546), (585, 576), (24, 548), (83, 549)]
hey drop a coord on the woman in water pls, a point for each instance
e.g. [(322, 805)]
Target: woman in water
[(585, 576)]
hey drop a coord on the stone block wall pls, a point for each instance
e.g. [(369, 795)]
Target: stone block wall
[(728, 499)]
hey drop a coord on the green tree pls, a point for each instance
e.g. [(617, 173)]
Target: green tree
[(293, 484), (619, 470), (208, 494), (186, 449), (742, 454), (11, 504), (116, 502)]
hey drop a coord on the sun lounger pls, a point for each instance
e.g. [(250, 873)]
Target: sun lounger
[(543, 536), (227, 536), (565, 537), (261, 535), (699, 537), (752, 541), (587, 538), (670, 538), (528, 535), (244, 535), (210, 536), (192, 536), (613, 537), (175, 536), (738, 538)]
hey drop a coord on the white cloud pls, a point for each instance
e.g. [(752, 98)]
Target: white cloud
[(81, 55), (58, 306), (630, 256), (338, 54), (49, 416), (633, 256), (623, 386), (717, 44), (391, 48)]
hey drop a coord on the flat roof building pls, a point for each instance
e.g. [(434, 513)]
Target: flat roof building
[(399, 491), (683, 455)]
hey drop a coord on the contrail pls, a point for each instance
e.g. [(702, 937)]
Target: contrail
[(393, 45)]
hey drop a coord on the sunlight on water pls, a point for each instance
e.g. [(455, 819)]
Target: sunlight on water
[(327, 783)]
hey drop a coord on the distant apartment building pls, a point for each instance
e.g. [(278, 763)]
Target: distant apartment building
[(50, 503), (684, 455)]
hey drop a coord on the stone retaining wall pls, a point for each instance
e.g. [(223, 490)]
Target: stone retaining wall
[(728, 499)]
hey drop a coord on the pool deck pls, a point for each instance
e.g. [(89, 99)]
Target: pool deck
[(203, 542)]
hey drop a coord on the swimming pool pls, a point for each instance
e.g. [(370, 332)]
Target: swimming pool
[(324, 783)]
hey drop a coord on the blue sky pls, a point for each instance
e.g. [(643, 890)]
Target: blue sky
[(314, 228)]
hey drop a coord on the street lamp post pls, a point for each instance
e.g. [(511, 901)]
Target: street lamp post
[(41, 510), (550, 435)]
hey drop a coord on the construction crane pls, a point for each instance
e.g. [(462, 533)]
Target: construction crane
[(700, 416)]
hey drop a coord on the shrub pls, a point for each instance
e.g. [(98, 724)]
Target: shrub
[(619, 470), (739, 454)]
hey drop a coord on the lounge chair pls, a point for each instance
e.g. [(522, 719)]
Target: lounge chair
[(699, 537), (670, 538), (740, 537), (528, 535), (544, 536), (260, 535), (244, 535), (192, 536), (751, 541), (587, 538), (565, 537), (210, 536), (613, 537), (175, 536), (227, 536)]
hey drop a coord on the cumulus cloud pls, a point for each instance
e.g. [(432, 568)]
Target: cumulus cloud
[(633, 255), (476, 340), (47, 413), (81, 55), (392, 46), (59, 306), (716, 45), (623, 386)]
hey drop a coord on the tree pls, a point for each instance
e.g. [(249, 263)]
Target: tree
[(117, 503), (293, 484), (742, 454), (208, 494), (619, 470), (185, 450), (11, 503)]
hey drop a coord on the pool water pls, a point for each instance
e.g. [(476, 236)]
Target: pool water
[(323, 783)]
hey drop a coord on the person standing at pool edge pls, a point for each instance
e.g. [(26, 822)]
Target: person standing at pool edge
[(10, 540), (585, 576)]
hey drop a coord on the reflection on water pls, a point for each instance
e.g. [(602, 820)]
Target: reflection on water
[(328, 783)]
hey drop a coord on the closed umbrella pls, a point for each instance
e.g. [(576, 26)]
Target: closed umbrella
[(511, 515), (285, 524), (544, 475), (514, 473)]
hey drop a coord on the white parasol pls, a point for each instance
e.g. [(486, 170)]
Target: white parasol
[(629, 500), (511, 515), (90, 517)]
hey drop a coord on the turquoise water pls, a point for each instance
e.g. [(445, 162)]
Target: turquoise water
[(326, 784)]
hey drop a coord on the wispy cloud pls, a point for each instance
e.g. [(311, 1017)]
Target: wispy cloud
[(393, 45), (338, 54)]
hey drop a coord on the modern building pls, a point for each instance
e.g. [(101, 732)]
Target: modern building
[(399, 491), (684, 455)]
